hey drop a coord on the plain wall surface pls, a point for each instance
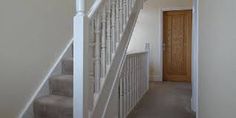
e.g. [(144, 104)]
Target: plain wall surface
[(217, 59), (33, 34), (147, 30)]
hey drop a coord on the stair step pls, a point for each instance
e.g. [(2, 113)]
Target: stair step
[(61, 85), (53, 106), (67, 66)]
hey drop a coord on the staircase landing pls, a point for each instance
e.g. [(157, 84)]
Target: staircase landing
[(165, 100)]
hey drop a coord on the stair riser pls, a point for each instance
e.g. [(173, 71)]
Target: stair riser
[(42, 111), (53, 107), (61, 87), (67, 67)]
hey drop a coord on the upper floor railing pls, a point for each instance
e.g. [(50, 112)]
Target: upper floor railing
[(134, 80)]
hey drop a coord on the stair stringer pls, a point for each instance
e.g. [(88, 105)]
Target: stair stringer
[(104, 105), (43, 88)]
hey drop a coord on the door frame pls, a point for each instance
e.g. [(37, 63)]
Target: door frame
[(162, 10), (195, 48)]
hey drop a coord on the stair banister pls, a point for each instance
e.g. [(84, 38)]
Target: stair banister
[(101, 37)]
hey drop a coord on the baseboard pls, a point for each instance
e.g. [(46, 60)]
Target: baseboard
[(51, 72), (193, 106), (155, 78)]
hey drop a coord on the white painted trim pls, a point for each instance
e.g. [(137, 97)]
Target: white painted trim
[(161, 32), (175, 8), (194, 101), (29, 103)]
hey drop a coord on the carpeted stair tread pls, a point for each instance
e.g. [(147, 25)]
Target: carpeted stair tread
[(61, 85), (67, 66), (53, 106)]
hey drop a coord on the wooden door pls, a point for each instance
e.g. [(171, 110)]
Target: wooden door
[(177, 45)]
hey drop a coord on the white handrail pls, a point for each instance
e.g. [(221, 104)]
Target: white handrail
[(97, 4)]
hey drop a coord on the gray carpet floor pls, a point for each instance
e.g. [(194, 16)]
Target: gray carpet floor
[(165, 100)]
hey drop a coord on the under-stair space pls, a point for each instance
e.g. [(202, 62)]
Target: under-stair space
[(59, 104)]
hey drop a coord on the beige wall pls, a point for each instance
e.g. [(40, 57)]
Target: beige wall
[(148, 30), (217, 59), (32, 35)]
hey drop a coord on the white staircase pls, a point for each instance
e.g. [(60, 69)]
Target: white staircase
[(101, 38)]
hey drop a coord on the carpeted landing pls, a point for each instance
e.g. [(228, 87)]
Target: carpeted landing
[(165, 100)]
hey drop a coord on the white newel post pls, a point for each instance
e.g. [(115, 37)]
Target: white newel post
[(97, 53), (81, 46), (103, 45), (148, 49)]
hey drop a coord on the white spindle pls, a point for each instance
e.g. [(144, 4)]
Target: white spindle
[(91, 66), (113, 27), (130, 6), (108, 35), (127, 10), (97, 52), (125, 90), (103, 45), (148, 49), (135, 81), (117, 22), (124, 13), (121, 91), (121, 16), (132, 83), (129, 83)]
